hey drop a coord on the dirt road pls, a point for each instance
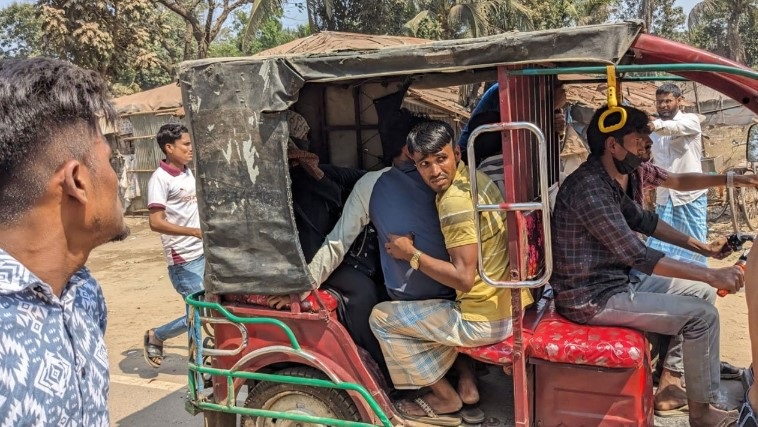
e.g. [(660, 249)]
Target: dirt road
[(140, 296)]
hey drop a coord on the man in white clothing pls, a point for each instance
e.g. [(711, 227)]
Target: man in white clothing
[(677, 148)]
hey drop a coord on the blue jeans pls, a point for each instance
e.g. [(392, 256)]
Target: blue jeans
[(187, 279)]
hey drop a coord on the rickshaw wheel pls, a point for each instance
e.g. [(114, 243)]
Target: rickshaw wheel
[(300, 399)]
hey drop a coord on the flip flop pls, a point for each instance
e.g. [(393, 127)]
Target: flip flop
[(432, 417), (151, 351), (472, 414), (682, 411), (730, 372), (747, 417), (729, 421)]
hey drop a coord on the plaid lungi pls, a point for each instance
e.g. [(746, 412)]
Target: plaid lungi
[(418, 338), (691, 220)]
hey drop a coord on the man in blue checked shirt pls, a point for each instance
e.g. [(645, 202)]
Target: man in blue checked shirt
[(58, 201)]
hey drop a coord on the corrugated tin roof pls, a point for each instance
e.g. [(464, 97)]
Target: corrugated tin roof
[(166, 97), (335, 41)]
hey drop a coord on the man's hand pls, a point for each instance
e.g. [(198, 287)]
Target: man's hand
[(718, 249), (731, 278), (197, 233), (559, 121), (400, 247), (278, 301)]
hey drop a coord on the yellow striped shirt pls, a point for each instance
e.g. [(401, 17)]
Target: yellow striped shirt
[(456, 212)]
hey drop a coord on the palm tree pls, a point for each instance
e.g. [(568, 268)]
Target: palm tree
[(733, 11), (264, 9), (470, 18)]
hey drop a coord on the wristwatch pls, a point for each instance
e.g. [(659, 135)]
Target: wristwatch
[(415, 259)]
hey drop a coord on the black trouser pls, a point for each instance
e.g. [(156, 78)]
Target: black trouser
[(360, 294)]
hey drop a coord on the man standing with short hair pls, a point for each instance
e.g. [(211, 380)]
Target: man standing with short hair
[(677, 148), (419, 338), (173, 213), (58, 201)]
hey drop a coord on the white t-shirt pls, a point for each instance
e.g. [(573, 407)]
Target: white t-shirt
[(677, 147), (174, 191)]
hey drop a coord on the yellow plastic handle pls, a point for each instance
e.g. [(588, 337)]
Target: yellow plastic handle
[(614, 93)]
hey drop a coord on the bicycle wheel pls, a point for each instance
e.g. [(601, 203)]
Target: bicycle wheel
[(748, 200), (717, 204)]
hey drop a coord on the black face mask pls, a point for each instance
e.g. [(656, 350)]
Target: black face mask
[(628, 164)]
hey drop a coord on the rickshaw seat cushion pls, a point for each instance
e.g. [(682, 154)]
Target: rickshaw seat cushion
[(500, 353), (309, 304), (559, 340)]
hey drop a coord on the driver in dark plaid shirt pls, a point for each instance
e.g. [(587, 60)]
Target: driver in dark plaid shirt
[(605, 275)]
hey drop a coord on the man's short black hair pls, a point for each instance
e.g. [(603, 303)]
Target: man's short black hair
[(398, 125), (489, 143), (49, 114), (667, 88), (430, 137), (636, 121), (169, 133)]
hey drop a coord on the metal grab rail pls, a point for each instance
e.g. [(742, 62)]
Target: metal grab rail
[(543, 205), (668, 68)]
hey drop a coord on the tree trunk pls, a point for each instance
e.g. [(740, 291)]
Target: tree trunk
[(187, 42), (646, 13), (733, 38), (311, 9)]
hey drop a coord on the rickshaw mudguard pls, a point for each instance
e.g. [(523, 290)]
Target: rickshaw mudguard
[(325, 346)]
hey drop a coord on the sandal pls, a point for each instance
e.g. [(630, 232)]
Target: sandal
[(472, 414), (431, 417), (153, 353), (747, 417), (730, 372), (682, 411)]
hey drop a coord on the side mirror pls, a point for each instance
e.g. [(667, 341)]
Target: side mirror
[(752, 144)]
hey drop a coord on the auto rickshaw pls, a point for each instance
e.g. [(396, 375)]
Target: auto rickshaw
[(300, 366)]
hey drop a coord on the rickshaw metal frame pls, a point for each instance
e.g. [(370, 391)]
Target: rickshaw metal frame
[(197, 370)]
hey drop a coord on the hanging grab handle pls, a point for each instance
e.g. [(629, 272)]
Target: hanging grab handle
[(614, 95)]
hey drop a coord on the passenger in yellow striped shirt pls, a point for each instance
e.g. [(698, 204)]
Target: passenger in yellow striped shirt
[(418, 338)]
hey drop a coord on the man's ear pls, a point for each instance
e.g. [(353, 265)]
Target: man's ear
[(73, 182), (610, 142), (457, 151)]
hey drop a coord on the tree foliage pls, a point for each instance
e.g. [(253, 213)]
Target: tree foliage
[(113, 37), (733, 22), (727, 28), (661, 17), (21, 34), (204, 19)]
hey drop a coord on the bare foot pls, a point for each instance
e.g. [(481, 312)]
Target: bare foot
[(710, 417), (671, 394), (467, 388), (440, 407)]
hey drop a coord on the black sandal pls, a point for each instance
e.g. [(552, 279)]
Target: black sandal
[(153, 353)]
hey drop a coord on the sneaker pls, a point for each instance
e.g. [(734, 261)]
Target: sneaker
[(747, 416)]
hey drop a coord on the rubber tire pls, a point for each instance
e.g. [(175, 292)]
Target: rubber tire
[(716, 210), (337, 401), (749, 206)]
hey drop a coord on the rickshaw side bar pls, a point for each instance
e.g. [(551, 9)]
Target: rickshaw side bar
[(520, 399), (311, 382), (190, 300)]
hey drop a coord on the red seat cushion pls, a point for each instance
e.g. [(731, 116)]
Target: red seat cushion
[(500, 353), (309, 304), (559, 340)]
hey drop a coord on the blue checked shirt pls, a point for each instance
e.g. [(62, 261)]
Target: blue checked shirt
[(53, 361)]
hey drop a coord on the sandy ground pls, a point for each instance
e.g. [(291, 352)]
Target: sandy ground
[(140, 296)]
